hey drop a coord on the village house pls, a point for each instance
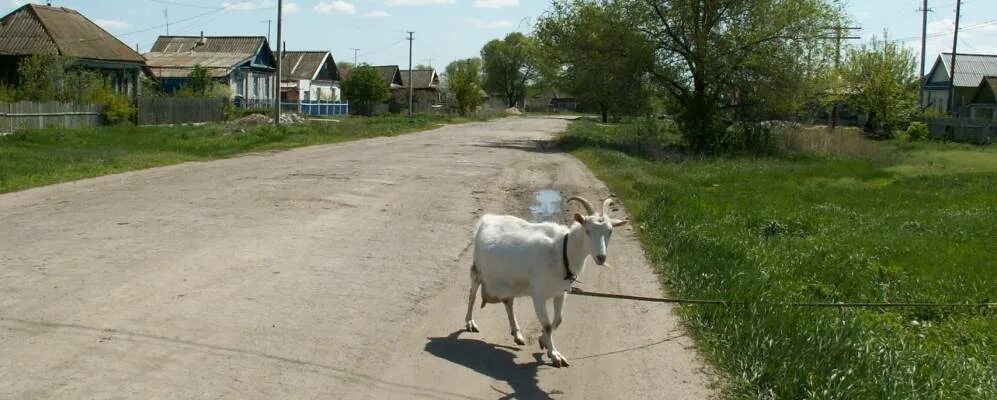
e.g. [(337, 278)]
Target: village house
[(245, 64), (35, 29), (970, 69), (984, 103), (426, 94), (309, 76)]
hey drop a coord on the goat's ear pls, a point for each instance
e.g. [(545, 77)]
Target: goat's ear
[(620, 222), (579, 218)]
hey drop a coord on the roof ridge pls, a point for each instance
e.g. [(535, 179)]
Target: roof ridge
[(969, 54)]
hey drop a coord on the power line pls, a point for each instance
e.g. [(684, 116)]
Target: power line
[(173, 3)]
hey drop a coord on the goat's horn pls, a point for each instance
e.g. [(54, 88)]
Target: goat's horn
[(585, 203), (605, 207)]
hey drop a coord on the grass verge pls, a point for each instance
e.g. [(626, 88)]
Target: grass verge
[(917, 222), (43, 157)]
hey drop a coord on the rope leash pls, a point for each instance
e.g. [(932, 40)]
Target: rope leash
[(580, 292)]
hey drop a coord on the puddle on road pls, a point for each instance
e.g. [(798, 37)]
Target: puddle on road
[(546, 205)]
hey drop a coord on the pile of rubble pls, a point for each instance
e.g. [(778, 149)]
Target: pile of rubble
[(261, 119), (291, 118), (513, 111)]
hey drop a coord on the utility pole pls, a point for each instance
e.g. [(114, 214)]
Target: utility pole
[(355, 52), (955, 45), (268, 21), (924, 37), (410, 73), (280, 54), (166, 14), (838, 36)]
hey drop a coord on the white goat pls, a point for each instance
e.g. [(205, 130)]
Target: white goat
[(515, 258)]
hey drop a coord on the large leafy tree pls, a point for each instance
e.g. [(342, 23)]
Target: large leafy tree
[(602, 60), (723, 60), (464, 78), (509, 65), (879, 79), (364, 88)]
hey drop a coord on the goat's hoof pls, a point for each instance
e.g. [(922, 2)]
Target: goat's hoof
[(518, 338), (558, 360), (471, 326)]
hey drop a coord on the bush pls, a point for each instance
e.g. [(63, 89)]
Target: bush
[(917, 131)]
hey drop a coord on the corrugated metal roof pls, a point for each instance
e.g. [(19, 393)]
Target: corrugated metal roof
[(247, 45), (970, 68), (423, 78), (36, 29), (302, 64)]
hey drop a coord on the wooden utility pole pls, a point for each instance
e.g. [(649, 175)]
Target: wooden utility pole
[(955, 46), (276, 99), (268, 21), (410, 73), (924, 38), (355, 52)]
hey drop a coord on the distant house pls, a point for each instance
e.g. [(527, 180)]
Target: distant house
[(244, 63), (969, 72), (552, 100), (425, 89), (309, 75), (34, 29), (984, 103), (391, 75)]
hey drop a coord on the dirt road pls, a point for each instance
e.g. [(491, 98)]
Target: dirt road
[(324, 272)]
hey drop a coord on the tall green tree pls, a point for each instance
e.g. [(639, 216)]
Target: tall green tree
[(601, 59), (464, 78), (364, 88), (724, 60), (879, 79), (509, 65)]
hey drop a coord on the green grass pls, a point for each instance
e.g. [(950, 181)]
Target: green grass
[(42, 157), (918, 223)]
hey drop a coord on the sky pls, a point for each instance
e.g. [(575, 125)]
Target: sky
[(446, 30)]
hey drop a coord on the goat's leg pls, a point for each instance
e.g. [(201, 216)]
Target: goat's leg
[(558, 307), (475, 282), (513, 324), (547, 339)]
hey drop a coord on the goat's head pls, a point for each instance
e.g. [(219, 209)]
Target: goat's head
[(598, 228)]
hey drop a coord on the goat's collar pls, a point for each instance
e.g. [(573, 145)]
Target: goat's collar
[(568, 275)]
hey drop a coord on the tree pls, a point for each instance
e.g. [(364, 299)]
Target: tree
[(464, 78), (364, 88), (602, 60), (199, 83), (345, 65), (724, 60), (509, 66), (879, 79)]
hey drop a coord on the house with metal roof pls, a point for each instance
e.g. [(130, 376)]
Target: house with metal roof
[(426, 94), (309, 76), (246, 64), (970, 69), (36, 29)]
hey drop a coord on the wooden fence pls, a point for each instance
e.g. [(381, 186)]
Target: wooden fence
[(31, 115), (178, 110), (977, 131)]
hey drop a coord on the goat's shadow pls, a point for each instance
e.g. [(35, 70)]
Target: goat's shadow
[(495, 361)]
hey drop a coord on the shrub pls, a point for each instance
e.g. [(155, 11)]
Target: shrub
[(917, 131)]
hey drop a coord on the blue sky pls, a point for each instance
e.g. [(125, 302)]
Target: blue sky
[(446, 30)]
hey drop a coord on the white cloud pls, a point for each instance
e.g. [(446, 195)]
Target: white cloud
[(480, 24), (419, 2), (111, 24), (291, 8), (246, 5), (495, 3), (377, 14), (336, 7)]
